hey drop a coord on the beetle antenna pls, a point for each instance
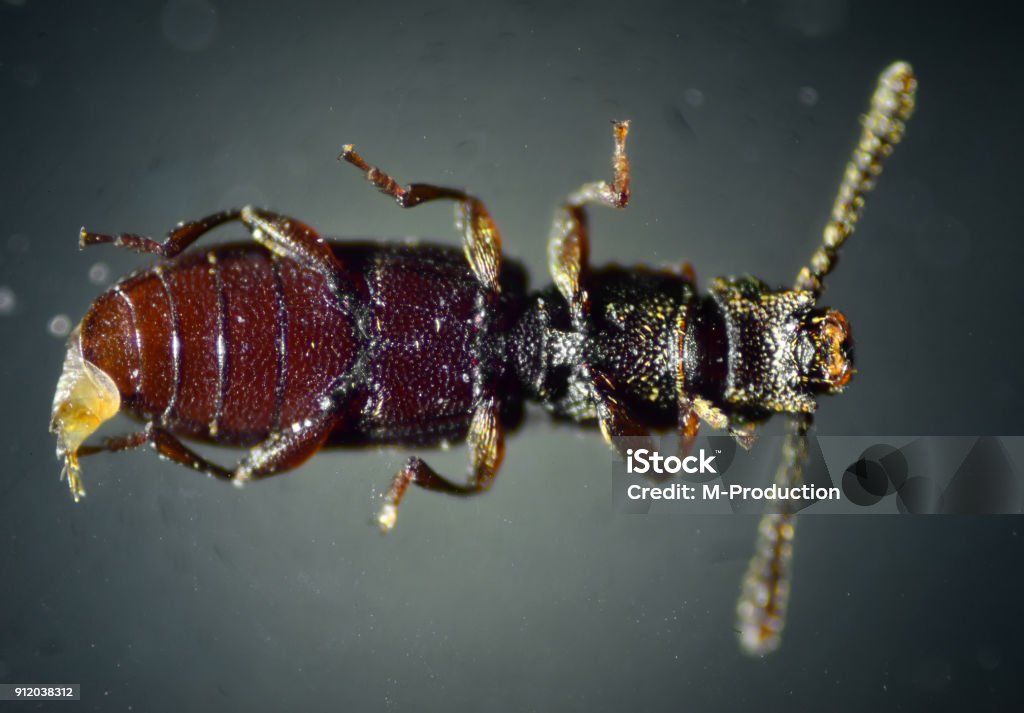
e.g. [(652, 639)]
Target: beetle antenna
[(761, 610), (891, 106)]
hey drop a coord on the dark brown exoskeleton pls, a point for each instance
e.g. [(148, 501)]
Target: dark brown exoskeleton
[(289, 343)]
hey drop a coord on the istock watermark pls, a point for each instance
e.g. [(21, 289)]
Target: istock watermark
[(715, 491), (643, 461), (844, 475)]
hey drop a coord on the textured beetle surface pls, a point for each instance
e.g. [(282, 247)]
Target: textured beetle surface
[(291, 342)]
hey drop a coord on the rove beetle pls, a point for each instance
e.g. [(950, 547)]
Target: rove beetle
[(292, 342)]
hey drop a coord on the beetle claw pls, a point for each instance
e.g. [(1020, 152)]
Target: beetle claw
[(73, 472), (387, 517)]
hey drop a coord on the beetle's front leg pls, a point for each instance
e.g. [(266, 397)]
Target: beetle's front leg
[(569, 245), (481, 238), (620, 430), (568, 259), (486, 442)]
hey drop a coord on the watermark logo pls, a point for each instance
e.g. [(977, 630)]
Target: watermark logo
[(843, 475), (643, 461)]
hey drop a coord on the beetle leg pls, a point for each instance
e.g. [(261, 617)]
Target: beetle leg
[(292, 239), (569, 245), (744, 434), (414, 471), (165, 443), (761, 610), (117, 443), (283, 450), (620, 430), (179, 237), (568, 259), (689, 426), (481, 238), (286, 448), (486, 440), (280, 234)]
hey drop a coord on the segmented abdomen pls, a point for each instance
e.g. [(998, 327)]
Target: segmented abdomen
[(229, 344)]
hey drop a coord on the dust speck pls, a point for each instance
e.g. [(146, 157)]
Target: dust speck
[(808, 96), (99, 273), (59, 325), (693, 97), (7, 300)]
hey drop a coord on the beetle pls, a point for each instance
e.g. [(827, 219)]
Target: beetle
[(291, 342)]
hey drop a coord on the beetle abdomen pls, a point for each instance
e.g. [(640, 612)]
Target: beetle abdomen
[(228, 344)]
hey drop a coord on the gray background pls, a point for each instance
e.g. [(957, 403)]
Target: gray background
[(164, 591)]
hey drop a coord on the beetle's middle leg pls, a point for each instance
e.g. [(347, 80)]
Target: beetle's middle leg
[(481, 238), (486, 442)]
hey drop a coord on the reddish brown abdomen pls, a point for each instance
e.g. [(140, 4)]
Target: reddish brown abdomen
[(228, 344)]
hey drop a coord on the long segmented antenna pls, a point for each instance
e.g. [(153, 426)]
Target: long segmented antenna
[(761, 610), (891, 106)]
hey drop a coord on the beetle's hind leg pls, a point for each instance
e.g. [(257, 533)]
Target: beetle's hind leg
[(177, 240), (280, 234), (165, 443), (481, 238), (281, 451), (486, 451)]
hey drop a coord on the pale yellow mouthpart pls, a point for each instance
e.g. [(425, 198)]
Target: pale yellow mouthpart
[(85, 398)]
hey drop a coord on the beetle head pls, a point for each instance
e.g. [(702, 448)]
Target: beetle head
[(826, 351)]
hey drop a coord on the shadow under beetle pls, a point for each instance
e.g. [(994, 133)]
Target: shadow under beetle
[(292, 342)]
